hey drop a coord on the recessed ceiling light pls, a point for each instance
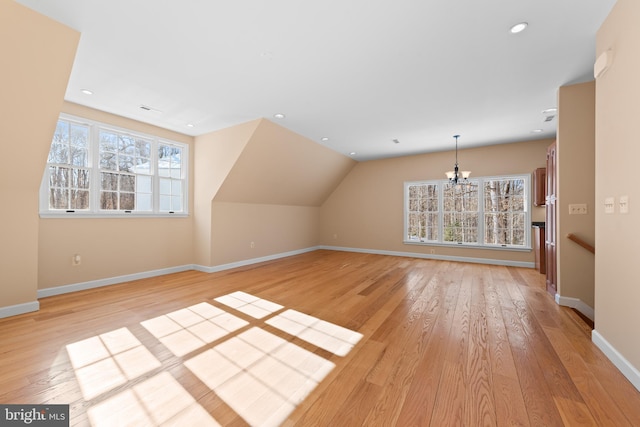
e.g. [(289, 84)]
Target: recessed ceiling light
[(519, 27), (536, 131), (324, 138), (86, 91), (189, 125), (353, 153), (550, 111), (279, 116), (395, 141)]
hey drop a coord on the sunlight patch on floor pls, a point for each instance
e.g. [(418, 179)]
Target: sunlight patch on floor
[(260, 375), (158, 401), (249, 304), (106, 361), (186, 330), (328, 336)]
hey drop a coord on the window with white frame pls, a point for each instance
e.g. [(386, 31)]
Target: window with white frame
[(97, 169), (488, 211)]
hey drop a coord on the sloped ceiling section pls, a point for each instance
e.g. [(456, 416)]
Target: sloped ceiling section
[(280, 167)]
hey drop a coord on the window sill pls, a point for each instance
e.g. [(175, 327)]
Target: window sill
[(470, 246), (111, 215)]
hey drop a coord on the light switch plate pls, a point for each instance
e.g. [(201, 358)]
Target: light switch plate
[(609, 205), (623, 202)]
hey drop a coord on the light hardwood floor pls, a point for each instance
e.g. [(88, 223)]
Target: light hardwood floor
[(324, 338)]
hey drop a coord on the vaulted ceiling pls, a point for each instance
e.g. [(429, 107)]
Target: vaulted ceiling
[(368, 79)]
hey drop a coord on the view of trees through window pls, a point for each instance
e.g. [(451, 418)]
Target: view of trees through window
[(504, 211), (122, 161), (93, 168), (460, 208), (485, 211), (68, 163)]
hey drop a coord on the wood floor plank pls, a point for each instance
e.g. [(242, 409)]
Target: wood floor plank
[(410, 342), (417, 408), (507, 391), (479, 398)]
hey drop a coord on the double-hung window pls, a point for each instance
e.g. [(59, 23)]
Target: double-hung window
[(96, 169), (487, 212)]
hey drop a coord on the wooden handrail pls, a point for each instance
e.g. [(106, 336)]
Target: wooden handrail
[(581, 242)]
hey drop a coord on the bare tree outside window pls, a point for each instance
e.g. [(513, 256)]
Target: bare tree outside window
[(504, 211), (97, 169), (122, 158), (486, 211), (423, 213), (460, 207), (68, 167)]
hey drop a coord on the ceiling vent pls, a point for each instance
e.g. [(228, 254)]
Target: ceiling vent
[(147, 108), (549, 118)]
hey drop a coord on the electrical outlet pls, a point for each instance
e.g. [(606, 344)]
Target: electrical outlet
[(76, 260), (578, 209)]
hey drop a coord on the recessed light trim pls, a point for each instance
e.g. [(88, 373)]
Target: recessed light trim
[(353, 153), (324, 138), (518, 28), (86, 91), (550, 111), (189, 125), (536, 131), (279, 116)]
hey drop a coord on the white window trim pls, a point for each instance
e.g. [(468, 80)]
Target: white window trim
[(94, 211), (479, 245)]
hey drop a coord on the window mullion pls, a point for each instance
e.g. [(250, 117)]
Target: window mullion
[(440, 212), (94, 165), (481, 212), (155, 176)]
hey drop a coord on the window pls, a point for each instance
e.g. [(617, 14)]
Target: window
[(490, 211), (460, 209), (95, 169)]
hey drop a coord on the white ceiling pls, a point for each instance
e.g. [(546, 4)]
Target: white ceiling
[(360, 72)]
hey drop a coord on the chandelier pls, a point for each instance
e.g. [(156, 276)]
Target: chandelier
[(455, 176)]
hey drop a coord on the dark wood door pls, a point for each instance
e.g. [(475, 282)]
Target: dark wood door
[(551, 221)]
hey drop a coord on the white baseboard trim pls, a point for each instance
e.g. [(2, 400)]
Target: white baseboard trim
[(14, 310), (65, 289), (627, 369), (243, 263), (58, 290), (576, 303), (434, 256)]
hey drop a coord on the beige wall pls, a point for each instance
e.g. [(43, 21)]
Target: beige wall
[(617, 291), (244, 231), (35, 67), (280, 167), (366, 210), (113, 247), (576, 185), (215, 155), (268, 202)]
